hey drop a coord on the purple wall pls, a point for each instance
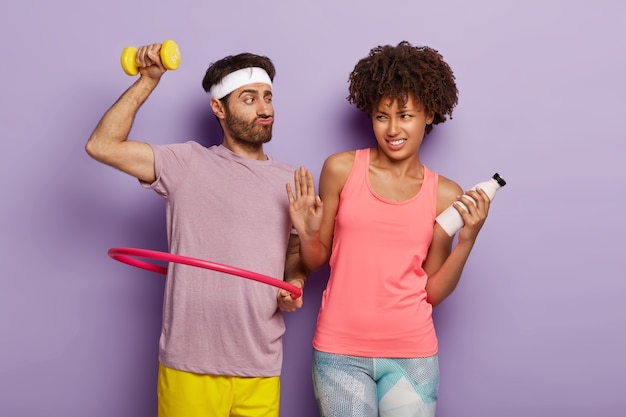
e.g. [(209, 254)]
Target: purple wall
[(536, 326)]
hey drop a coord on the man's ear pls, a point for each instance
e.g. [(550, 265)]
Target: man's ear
[(218, 108)]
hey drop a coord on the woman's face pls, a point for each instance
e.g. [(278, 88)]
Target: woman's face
[(400, 130)]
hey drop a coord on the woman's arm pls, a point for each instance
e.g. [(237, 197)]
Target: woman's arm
[(316, 229), (443, 265)]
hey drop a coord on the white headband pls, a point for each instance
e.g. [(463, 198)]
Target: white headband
[(239, 78)]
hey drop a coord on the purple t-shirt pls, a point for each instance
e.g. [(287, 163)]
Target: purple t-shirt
[(232, 210)]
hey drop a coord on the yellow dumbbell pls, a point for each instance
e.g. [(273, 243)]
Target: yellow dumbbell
[(170, 57)]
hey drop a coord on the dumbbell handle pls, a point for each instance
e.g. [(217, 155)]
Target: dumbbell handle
[(170, 57)]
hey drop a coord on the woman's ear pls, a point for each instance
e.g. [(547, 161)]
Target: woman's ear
[(430, 117)]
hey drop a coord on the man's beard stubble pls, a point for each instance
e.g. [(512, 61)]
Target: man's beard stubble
[(248, 134)]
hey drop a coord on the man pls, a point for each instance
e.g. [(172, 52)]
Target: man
[(220, 349)]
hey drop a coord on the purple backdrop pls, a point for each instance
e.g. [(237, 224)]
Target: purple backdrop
[(536, 326)]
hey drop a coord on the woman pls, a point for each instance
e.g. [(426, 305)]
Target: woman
[(375, 347)]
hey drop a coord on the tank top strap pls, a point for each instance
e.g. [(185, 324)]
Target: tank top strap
[(361, 161), (429, 189), (358, 173)]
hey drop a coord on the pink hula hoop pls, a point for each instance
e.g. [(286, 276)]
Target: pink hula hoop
[(128, 255)]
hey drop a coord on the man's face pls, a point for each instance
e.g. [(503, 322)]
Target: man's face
[(250, 115)]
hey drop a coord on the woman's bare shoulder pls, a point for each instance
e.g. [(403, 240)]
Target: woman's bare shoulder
[(339, 163), (447, 192)]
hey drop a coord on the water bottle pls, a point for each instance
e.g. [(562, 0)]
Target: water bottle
[(450, 219)]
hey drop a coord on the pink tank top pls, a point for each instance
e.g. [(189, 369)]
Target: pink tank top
[(375, 302)]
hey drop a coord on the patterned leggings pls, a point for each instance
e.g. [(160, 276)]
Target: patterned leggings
[(353, 386)]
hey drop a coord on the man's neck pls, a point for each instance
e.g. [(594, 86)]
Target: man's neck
[(250, 151)]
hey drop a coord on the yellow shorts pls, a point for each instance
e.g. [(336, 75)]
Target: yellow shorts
[(185, 394)]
